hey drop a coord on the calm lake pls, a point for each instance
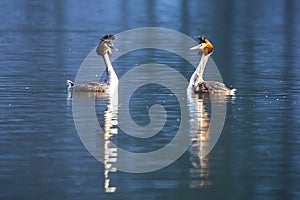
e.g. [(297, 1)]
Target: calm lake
[(256, 50)]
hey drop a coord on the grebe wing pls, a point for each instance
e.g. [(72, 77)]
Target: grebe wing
[(214, 86)]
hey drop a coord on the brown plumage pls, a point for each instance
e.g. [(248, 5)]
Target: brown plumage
[(89, 87)]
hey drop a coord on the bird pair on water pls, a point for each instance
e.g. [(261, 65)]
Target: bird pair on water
[(197, 84)]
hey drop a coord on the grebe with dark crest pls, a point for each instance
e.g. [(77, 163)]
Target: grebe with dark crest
[(197, 84), (104, 49)]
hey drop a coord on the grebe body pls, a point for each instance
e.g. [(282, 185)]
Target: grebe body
[(197, 83)]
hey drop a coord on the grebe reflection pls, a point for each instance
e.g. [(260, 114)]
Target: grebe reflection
[(92, 110), (199, 127), (110, 151)]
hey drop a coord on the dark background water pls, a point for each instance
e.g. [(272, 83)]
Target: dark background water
[(42, 43)]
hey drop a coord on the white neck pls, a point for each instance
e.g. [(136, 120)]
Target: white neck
[(112, 78), (197, 76), (111, 72)]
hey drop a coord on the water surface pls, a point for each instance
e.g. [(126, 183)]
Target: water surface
[(256, 50)]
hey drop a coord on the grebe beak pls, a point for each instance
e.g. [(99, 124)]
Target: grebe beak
[(112, 47), (196, 47)]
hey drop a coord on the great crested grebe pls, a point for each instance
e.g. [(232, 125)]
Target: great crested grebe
[(104, 49), (196, 82)]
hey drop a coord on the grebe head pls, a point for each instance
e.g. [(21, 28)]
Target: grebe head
[(204, 46), (70, 84), (106, 45)]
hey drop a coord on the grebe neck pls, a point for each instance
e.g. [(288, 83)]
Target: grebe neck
[(200, 68), (109, 68), (197, 76)]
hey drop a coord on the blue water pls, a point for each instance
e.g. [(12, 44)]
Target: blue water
[(43, 43)]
